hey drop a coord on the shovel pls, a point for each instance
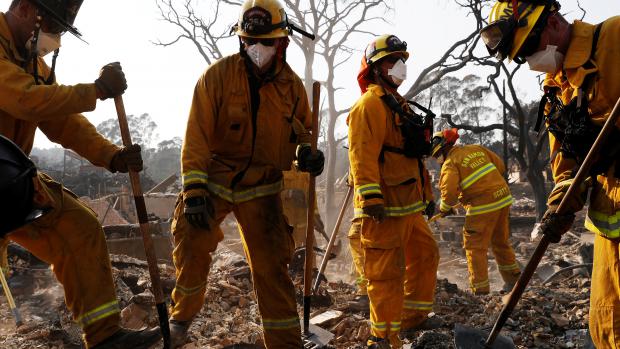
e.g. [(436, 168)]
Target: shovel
[(467, 338), (332, 240), (313, 336), (149, 248)]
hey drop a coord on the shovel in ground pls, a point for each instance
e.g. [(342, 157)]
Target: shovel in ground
[(313, 336), (468, 338)]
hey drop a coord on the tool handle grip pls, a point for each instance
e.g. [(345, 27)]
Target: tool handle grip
[(147, 240), (332, 240), (316, 96)]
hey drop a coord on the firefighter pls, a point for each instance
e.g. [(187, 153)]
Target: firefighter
[(474, 175), (361, 302), (68, 236), (386, 150), (581, 87), (250, 118)]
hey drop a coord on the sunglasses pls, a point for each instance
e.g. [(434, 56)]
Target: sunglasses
[(254, 41)]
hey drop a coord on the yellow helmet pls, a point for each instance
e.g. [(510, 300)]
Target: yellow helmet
[(516, 33), (443, 138), (262, 19), (384, 46)]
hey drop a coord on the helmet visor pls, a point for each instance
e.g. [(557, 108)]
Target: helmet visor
[(257, 21), (497, 36)]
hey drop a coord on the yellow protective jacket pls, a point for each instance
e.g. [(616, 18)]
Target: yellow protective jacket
[(221, 141), (383, 177), (473, 175), (602, 94), (54, 109)]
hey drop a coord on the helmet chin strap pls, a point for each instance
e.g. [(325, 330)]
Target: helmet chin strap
[(34, 51)]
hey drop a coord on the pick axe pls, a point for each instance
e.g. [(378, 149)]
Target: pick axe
[(472, 338), (149, 248)]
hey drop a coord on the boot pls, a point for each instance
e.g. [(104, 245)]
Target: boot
[(360, 303), (125, 338), (378, 343), (178, 333), (431, 323), (508, 286)]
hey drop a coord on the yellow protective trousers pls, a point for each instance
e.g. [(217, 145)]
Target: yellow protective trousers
[(479, 231), (400, 262), (268, 246), (605, 294), (357, 253), (70, 238)]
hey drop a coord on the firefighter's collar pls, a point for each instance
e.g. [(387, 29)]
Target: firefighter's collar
[(376, 90), (580, 45), (6, 39)]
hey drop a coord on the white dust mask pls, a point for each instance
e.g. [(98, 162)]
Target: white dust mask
[(546, 61), (260, 54), (398, 72), (46, 43)]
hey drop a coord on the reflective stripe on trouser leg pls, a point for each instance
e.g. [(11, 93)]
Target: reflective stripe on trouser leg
[(384, 268), (477, 234), (357, 253), (192, 259), (71, 239), (605, 294), (269, 247), (501, 247), (421, 260)]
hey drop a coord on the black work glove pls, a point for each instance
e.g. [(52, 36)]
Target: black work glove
[(111, 81), (376, 212), (430, 209), (127, 159), (554, 225), (309, 162), (198, 209)]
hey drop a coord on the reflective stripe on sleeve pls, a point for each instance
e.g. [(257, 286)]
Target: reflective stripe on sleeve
[(367, 189), (194, 177)]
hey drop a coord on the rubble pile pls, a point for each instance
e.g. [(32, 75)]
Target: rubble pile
[(550, 315)]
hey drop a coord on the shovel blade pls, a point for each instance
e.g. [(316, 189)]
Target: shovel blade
[(316, 338), (471, 338)]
